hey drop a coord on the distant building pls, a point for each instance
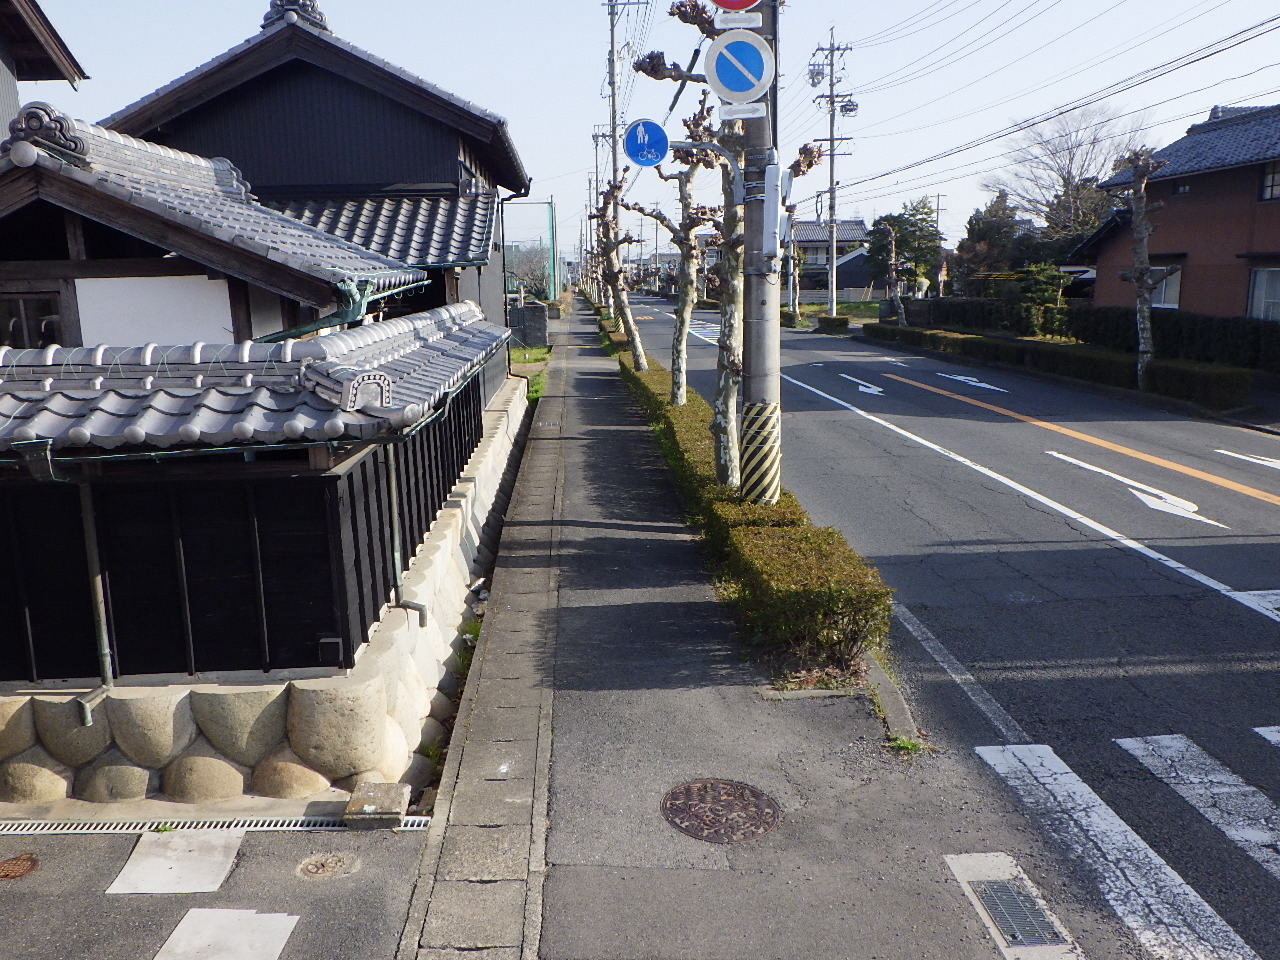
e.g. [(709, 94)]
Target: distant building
[(30, 49), (1218, 221), (340, 139), (813, 250)]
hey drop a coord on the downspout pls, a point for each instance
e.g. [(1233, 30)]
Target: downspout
[(37, 457), (354, 297)]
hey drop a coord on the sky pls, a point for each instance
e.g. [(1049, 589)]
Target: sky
[(929, 76)]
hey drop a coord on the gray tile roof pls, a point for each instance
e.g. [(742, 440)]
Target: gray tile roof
[(351, 385), (495, 125), (426, 231), (847, 231), (207, 196), (1232, 137)]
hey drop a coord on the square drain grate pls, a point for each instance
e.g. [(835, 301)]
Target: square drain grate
[(1016, 913)]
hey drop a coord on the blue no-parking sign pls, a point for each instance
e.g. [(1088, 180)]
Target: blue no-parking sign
[(740, 66), (645, 143)]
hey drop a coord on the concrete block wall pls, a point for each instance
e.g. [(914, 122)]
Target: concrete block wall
[(198, 742)]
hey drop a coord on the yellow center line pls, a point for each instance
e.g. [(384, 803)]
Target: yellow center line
[(1213, 478)]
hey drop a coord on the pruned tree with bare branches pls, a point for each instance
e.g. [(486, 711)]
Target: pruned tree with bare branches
[(609, 245), (1141, 165)]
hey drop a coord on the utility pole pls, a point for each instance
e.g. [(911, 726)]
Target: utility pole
[(762, 300), (824, 67)]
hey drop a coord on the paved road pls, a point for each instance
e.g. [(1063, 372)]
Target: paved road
[(1090, 590)]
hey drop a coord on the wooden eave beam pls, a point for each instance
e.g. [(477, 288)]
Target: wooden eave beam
[(153, 228), (56, 52)]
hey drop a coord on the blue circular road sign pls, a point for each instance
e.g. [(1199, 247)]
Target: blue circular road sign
[(740, 66), (646, 143)]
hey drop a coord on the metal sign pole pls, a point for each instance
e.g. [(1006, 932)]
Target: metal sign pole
[(761, 388)]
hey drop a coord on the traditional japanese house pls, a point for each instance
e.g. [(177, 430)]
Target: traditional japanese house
[(31, 49), (179, 508), (417, 180)]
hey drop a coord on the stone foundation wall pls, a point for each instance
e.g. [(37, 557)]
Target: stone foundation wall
[(197, 742)]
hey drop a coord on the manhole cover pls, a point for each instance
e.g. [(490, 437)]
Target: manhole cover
[(19, 866), (324, 866), (720, 811)]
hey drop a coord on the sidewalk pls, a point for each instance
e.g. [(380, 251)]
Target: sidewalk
[(603, 626)]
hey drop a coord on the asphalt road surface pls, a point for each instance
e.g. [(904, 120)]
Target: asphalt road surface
[(1089, 597)]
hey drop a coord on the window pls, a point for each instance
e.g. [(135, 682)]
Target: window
[(1169, 289), (1264, 300), (1181, 188), (29, 320), (1271, 181)]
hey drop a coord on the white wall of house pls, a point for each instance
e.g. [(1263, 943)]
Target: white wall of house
[(264, 309), (127, 311)]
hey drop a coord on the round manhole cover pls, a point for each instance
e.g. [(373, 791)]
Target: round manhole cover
[(721, 811), (324, 866), (17, 867)]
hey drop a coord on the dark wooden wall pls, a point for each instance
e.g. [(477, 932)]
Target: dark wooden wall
[(8, 88), (299, 125)]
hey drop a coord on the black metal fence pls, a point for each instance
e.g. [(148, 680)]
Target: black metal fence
[(251, 568)]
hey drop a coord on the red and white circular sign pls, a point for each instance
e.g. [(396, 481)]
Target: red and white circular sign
[(736, 5)]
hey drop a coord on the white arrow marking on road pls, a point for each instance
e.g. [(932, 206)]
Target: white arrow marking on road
[(1153, 497), (898, 363), (972, 381), (1271, 462), (864, 387)]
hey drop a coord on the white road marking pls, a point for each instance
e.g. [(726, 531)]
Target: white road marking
[(1009, 728), (864, 387), (1245, 599), (1169, 919), (1266, 598), (1271, 462), (972, 381), (970, 868), (1241, 811), (228, 935), (1153, 497), (1270, 734), (179, 861)]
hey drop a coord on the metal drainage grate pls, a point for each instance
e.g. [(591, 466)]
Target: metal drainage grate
[(1020, 919), (48, 827)]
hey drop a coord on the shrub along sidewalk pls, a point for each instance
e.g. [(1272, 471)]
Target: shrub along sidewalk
[(1211, 385), (799, 591)]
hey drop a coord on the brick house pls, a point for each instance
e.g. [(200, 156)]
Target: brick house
[(1218, 220)]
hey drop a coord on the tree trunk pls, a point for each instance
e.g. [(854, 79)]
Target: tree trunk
[(687, 298), (1142, 270), (620, 305), (724, 425), (896, 294)]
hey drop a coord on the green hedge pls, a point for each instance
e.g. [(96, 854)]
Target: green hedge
[(800, 589), (1210, 385), (1178, 334)]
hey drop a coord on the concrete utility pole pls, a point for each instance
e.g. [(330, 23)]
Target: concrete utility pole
[(824, 66), (762, 300)]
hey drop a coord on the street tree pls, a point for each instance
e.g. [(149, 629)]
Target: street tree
[(693, 216), (1054, 169), (905, 247), (527, 266), (988, 243), (1141, 165), (609, 244)]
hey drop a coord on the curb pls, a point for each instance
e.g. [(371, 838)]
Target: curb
[(898, 720)]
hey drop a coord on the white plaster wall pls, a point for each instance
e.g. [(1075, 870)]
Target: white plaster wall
[(264, 308), (128, 311)]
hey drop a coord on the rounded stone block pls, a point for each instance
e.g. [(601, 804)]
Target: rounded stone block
[(34, 777), (17, 726), (152, 726), (244, 723), (61, 732), (202, 774), (364, 776), (442, 708), (395, 751), (337, 725), (409, 712), (432, 733), (282, 775), (114, 778)]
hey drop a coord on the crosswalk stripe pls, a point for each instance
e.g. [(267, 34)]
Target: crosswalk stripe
[(1241, 811), (1271, 734), (1169, 919)]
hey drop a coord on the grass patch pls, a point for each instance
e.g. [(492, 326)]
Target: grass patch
[(802, 596), (530, 354), (862, 309), (537, 383), (906, 746)]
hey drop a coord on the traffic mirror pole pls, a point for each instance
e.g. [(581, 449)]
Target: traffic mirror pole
[(762, 361)]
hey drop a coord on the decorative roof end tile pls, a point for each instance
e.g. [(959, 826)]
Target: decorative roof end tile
[(305, 11), (42, 123)]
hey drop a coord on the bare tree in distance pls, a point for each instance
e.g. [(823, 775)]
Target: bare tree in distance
[(527, 265), (609, 244), (1054, 169)]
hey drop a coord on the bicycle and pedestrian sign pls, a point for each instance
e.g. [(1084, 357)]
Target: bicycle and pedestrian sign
[(645, 143)]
